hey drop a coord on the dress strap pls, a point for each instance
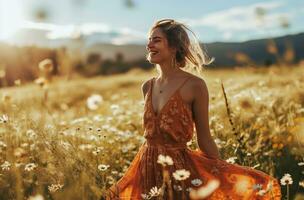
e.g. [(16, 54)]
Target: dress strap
[(151, 83), (183, 83)]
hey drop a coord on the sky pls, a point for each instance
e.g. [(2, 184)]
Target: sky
[(211, 21)]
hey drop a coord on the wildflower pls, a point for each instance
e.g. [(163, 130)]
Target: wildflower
[(30, 133), (41, 81), (36, 197), (181, 174), (177, 187), (4, 119), (6, 166), (196, 182), (155, 191), (257, 165), (55, 187), (263, 192), (301, 163), (231, 160), (2, 145), (257, 186), (103, 167), (301, 183), (286, 180), (29, 167), (46, 65), (19, 152), (145, 196), (205, 191), (164, 160), (94, 101)]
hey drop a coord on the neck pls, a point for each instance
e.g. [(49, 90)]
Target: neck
[(167, 71)]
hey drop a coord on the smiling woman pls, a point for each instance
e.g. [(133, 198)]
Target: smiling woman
[(176, 103), (11, 17)]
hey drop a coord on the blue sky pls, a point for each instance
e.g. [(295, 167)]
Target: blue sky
[(218, 20)]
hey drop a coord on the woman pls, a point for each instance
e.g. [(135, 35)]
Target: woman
[(175, 102)]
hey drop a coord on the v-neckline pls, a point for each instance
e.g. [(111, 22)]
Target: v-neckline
[(157, 114)]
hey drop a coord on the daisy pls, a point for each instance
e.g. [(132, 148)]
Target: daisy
[(301, 163), (164, 160), (29, 167), (196, 182), (103, 167), (6, 166), (4, 119), (181, 174), (155, 191), (231, 160), (286, 180)]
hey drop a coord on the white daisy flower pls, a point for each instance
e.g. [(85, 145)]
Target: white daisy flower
[(55, 187), (6, 166), (145, 196), (4, 119), (181, 174), (301, 163), (155, 191), (196, 182), (286, 180), (36, 197), (231, 160), (164, 160), (301, 183), (177, 187), (103, 167), (29, 167)]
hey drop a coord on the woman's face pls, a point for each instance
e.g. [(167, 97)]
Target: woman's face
[(158, 48)]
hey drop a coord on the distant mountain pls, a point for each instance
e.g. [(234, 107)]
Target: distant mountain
[(223, 52), (256, 50)]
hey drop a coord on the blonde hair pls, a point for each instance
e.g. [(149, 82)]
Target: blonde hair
[(189, 54)]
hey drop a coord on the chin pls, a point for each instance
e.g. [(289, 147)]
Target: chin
[(153, 61)]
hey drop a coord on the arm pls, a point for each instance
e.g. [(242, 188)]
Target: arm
[(201, 119), (144, 88)]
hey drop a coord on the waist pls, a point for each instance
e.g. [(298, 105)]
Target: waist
[(159, 144)]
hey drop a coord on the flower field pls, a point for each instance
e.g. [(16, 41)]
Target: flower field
[(72, 139)]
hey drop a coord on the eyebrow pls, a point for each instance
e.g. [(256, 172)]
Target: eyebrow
[(155, 37)]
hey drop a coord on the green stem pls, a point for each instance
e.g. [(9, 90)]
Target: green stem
[(287, 192)]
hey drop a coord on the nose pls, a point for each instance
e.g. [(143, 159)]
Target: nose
[(149, 45)]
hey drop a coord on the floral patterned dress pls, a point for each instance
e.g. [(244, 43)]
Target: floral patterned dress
[(167, 133)]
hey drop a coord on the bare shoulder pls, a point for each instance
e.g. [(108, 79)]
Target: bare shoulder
[(198, 87), (196, 83), (145, 86)]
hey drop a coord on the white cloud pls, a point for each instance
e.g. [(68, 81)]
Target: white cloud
[(71, 31), (241, 18)]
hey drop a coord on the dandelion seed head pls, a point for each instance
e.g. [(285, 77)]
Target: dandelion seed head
[(94, 101)]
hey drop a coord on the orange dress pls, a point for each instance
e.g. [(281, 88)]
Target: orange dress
[(167, 133)]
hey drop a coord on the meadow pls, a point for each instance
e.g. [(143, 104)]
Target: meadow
[(73, 138)]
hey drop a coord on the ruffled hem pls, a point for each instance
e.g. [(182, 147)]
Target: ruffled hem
[(236, 182)]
